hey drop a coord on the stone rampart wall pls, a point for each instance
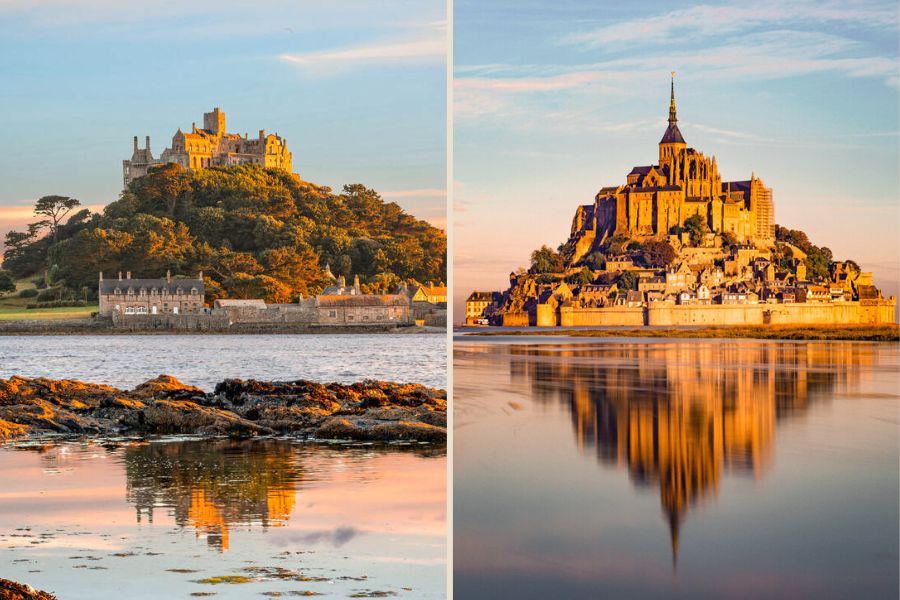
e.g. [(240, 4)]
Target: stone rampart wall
[(602, 317)]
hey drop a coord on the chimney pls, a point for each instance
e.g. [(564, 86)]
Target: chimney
[(120, 275), (128, 275), (135, 144), (168, 276), (147, 143), (356, 283), (101, 275), (200, 275), (262, 134)]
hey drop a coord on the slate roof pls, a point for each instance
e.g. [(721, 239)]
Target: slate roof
[(657, 188), (109, 286), (363, 300), (480, 297), (672, 135)]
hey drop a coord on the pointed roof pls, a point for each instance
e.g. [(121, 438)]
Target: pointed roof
[(672, 134)]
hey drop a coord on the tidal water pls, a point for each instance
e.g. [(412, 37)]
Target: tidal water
[(204, 360), (183, 518), (675, 469)]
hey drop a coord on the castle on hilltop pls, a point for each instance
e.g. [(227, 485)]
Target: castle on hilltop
[(657, 200), (210, 147)]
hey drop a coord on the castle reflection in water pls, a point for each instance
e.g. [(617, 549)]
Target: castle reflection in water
[(215, 485), (678, 415)]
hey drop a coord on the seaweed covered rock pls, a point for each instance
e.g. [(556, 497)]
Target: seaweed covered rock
[(368, 410)]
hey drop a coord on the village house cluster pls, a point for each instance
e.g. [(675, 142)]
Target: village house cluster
[(180, 303)]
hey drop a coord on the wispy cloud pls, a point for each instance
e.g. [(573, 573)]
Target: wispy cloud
[(509, 91), (424, 50), (705, 20)]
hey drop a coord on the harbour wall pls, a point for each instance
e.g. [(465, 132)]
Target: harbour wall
[(665, 314)]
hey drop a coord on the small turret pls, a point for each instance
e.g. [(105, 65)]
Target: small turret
[(328, 272)]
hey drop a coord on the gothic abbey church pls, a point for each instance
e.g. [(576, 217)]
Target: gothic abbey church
[(210, 147), (656, 200)]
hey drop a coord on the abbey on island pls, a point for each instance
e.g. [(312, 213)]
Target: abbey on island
[(656, 200), (674, 244)]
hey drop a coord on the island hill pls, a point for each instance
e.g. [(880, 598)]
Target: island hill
[(675, 245), (229, 207)]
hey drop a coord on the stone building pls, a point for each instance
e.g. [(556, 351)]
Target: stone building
[(209, 147), (127, 296), (657, 199), (432, 294), (363, 309), (476, 304)]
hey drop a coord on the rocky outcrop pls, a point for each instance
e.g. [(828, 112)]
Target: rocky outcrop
[(369, 410), (10, 590)]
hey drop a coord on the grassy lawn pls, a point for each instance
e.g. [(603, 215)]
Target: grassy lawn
[(12, 308)]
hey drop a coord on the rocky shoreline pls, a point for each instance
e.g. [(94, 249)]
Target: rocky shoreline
[(10, 590), (365, 411)]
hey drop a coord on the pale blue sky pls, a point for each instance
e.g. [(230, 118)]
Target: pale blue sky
[(357, 88), (555, 99)]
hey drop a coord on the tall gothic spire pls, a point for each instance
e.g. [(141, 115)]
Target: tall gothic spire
[(672, 135), (672, 118)]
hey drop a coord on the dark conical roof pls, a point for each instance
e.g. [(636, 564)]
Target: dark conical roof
[(672, 135)]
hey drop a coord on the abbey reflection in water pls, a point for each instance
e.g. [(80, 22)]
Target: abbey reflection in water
[(679, 414)]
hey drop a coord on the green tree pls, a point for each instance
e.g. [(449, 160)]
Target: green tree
[(545, 260), (7, 283), (729, 240), (55, 208), (627, 281), (296, 269), (696, 227), (657, 253)]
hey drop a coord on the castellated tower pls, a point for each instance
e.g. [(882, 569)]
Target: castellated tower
[(211, 146), (656, 200), (214, 121)]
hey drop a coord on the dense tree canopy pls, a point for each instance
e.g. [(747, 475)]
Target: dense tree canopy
[(657, 253), (818, 259), (546, 260), (254, 232), (696, 227)]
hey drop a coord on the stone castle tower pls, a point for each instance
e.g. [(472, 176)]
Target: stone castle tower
[(656, 200), (209, 147)]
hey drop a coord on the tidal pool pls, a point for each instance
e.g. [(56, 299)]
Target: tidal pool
[(182, 518), (675, 469)]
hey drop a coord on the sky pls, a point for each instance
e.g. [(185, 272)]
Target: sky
[(358, 89), (554, 99)]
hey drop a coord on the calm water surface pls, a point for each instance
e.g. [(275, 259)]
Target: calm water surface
[(204, 360), (150, 520), (675, 469)]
